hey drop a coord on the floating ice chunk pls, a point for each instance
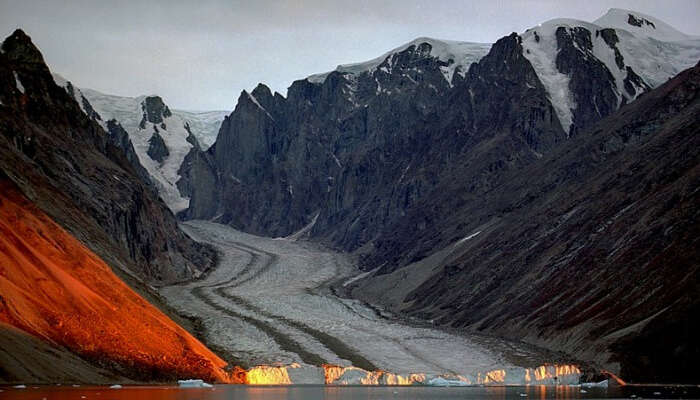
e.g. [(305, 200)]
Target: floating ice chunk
[(595, 384), (115, 387), (19, 387), (440, 381), (193, 383)]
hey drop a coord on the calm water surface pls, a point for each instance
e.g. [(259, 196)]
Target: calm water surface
[(313, 392)]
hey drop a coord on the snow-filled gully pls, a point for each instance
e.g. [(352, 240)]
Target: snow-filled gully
[(267, 306)]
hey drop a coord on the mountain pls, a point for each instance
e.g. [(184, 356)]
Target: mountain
[(160, 137), (71, 168), (79, 224), (355, 148), (277, 161), (404, 159), (592, 250)]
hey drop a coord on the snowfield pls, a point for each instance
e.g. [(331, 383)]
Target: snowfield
[(128, 112), (269, 302)]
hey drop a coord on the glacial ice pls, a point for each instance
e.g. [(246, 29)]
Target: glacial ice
[(284, 284)]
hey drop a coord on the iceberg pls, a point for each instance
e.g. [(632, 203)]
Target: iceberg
[(602, 384), (440, 381), (193, 383)]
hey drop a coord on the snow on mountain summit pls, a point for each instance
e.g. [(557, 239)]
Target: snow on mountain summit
[(160, 138), (640, 52), (641, 25), (462, 54)]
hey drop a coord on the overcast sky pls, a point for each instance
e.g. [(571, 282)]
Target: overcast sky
[(200, 54)]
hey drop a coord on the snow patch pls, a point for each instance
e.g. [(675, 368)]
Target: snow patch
[(337, 162), (255, 101), (464, 239), (18, 83), (306, 229), (542, 55), (360, 276)]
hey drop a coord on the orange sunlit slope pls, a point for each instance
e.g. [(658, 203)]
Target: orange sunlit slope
[(54, 287)]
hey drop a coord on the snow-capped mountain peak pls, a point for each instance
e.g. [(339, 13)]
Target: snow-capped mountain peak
[(638, 51), (462, 54), (641, 25), (161, 137)]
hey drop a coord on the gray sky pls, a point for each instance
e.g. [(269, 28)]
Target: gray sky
[(200, 54)]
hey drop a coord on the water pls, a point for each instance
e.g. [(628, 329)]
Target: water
[(318, 392)]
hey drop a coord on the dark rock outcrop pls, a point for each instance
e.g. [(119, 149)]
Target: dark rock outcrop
[(120, 138), (638, 22), (591, 83), (65, 163), (154, 111), (157, 149)]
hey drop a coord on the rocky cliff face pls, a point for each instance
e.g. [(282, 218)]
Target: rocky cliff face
[(358, 149), (66, 163), (120, 138)]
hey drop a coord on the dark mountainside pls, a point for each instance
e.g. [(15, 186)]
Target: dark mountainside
[(72, 169), (593, 250), (402, 166)]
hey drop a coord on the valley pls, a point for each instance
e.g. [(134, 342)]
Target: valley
[(270, 303), (451, 213)]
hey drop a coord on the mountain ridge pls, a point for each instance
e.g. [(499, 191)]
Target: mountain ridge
[(576, 50)]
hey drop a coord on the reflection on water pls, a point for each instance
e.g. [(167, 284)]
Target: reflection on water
[(322, 392)]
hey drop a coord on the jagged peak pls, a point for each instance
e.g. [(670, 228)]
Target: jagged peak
[(19, 36), (20, 48), (248, 98), (262, 93)]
